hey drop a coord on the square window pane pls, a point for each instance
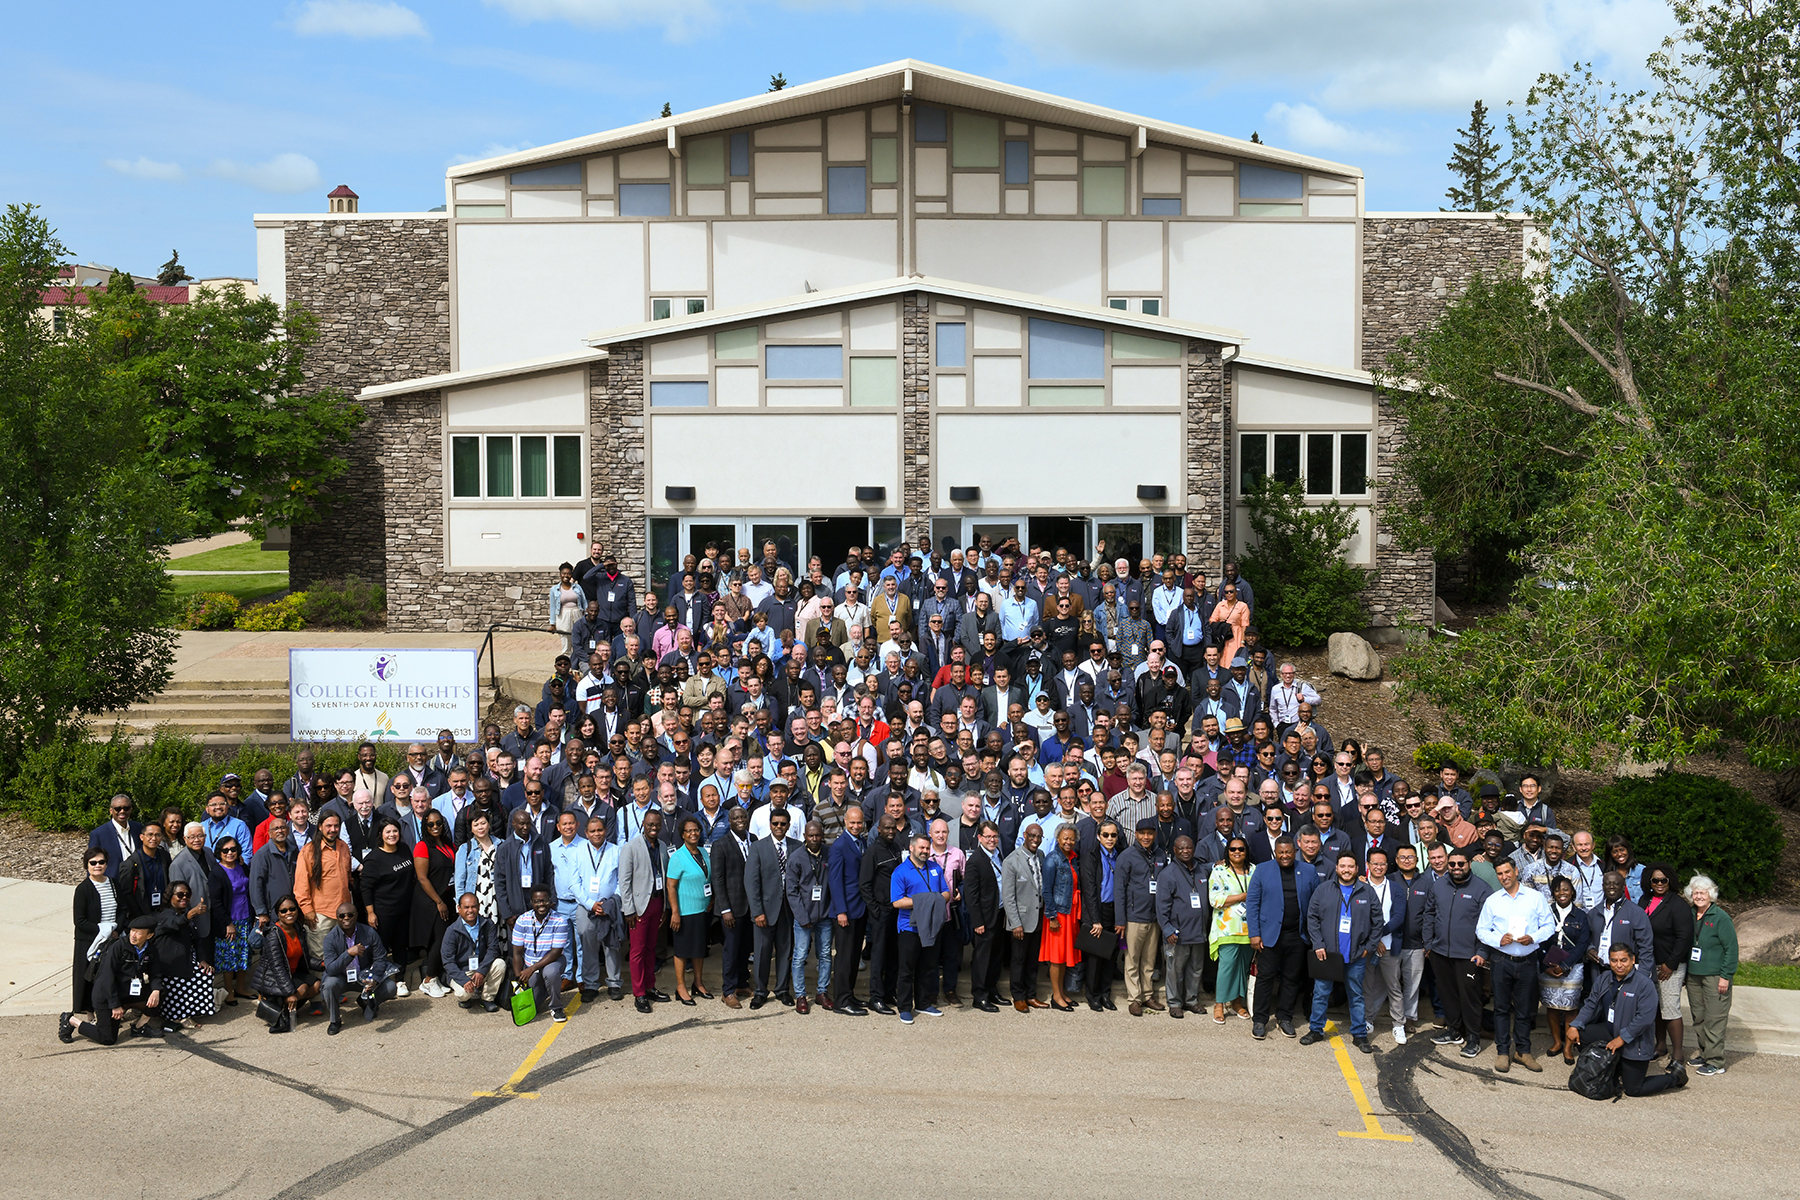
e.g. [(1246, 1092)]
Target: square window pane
[(659, 309), (805, 362), (568, 465), (1253, 461), (705, 160), (1286, 467), (1060, 350), (696, 305), (929, 124), (643, 199), (1319, 464), (874, 381), (952, 344), (1103, 191), (1353, 464), (884, 160), (1153, 308), (534, 466), (499, 466), (1018, 162), (977, 141), (678, 395), (735, 343), (847, 190), (465, 466)]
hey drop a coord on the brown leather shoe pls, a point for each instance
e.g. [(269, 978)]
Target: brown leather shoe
[(823, 1001), (953, 998), (1528, 1062), (1155, 1005), (731, 1000), (1502, 1062), (743, 992), (1036, 1003), (1135, 1009), (1021, 1006), (800, 1004)]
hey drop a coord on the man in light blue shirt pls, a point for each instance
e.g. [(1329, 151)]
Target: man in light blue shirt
[(1164, 600), (1018, 617), (1514, 921), (220, 823), (589, 872)]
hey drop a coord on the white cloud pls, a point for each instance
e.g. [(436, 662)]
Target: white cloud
[(1304, 125), (491, 150), (358, 19), (148, 168), (680, 19), (288, 172), (1348, 54)]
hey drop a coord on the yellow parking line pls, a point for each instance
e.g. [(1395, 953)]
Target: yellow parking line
[(508, 1089), (1371, 1127)]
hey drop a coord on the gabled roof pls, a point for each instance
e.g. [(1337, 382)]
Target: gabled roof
[(929, 84), (528, 366), (836, 297)]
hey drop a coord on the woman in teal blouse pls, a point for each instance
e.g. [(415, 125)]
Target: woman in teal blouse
[(690, 902)]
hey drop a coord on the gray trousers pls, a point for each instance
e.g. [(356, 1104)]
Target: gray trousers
[(1384, 984), (546, 985), (334, 987), (1181, 975), (1412, 976), (592, 945)]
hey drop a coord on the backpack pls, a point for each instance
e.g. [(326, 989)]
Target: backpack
[(1596, 1073)]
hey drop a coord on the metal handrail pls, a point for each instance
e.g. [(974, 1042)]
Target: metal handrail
[(487, 647)]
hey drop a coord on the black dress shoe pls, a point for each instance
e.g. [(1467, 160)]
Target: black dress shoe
[(882, 1007), (1062, 1007), (644, 1005), (1095, 1005), (757, 1002), (589, 995), (785, 1000), (852, 1010), (986, 1005), (489, 1006), (615, 993), (660, 997), (334, 1028), (687, 1000), (1110, 1003)]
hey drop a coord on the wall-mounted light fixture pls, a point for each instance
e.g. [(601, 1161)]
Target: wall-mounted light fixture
[(679, 495), (864, 494), (965, 495), (1152, 491)]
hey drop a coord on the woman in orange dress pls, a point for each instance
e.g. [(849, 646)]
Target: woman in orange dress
[(1237, 614), (1062, 913)]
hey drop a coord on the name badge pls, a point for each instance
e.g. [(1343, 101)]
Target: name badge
[(155, 899), (706, 890), (474, 964), (1132, 649), (594, 886), (1344, 924), (1193, 899), (350, 974), (1153, 887), (612, 596), (1609, 1016), (818, 893), (137, 987), (1695, 955), (525, 879)]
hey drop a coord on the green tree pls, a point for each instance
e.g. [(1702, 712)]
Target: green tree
[(777, 82), (1305, 591), (1475, 160), (229, 417), (173, 272), (668, 110), (84, 519), (1659, 613)]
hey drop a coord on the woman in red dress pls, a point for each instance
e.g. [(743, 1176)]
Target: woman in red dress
[(1062, 913)]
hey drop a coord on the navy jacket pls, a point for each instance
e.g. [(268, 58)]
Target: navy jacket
[(1325, 909), (372, 956), (1630, 927), (511, 895), (1412, 936), (106, 837), (1134, 900), (846, 856), (1176, 911), (1451, 913), (1632, 1004), (1262, 907), (458, 947)]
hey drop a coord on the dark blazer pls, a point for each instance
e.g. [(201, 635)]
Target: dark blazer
[(371, 956), (729, 892), (87, 913), (1672, 932), (1088, 872), (107, 838), (1264, 899), (876, 873), (845, 878), (764, 880), (134, 890), (510, 895), (981, 890)]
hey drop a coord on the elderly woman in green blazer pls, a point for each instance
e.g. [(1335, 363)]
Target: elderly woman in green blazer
[(1709, 979)]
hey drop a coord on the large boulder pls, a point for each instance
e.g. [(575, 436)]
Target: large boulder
[(1352, 657), (1770, 934)]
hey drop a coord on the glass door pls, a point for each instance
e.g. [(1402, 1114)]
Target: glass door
[(786, 536), (998, 531), (1122, 537)]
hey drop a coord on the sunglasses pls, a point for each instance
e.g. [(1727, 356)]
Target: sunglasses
[(286, 909), (96, 862), (224, 850)]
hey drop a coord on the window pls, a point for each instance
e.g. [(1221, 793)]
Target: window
[(1149, 305), (1328, 464), (664, 307), (530, 466)]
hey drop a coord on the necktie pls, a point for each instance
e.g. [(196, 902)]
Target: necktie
[(781, 855)]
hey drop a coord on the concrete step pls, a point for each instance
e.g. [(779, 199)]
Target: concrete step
[(221, 724), (278, 686)]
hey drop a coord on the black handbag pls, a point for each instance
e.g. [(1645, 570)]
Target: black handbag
[(267, 1012), (1221, 632)]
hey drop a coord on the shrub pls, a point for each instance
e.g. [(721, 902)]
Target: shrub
[(285, 613), (1305, 591), (1694, 823), (350, 603), (211, 610), (1434, 756)]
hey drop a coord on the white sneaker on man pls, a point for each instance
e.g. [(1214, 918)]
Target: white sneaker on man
[(399, 987), (435, 990), (1399, 1033)]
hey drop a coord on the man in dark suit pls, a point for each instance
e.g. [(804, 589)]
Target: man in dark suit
[(981, 895), (765, 887), (521, 862), (876, 874), (1278, 936), (848, 913), (730, 861), (118, 837), (998, 697)]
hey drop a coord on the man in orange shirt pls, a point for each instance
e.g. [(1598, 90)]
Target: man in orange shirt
[(1457, 831), (322, 881)]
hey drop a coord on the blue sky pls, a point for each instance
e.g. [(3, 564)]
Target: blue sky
[(144, 127)]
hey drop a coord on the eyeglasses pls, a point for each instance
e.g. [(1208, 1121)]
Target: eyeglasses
[(96, 862)]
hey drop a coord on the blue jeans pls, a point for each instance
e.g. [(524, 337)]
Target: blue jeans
[(815, 937), (1353, 984)]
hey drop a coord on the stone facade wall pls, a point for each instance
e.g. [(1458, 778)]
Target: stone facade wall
[(381, 291), (616, 478), (1208, 458), (915, 415), (1415, 265)]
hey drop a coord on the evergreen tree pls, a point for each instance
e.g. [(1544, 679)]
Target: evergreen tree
[(1476, 161), (1256, 137), (173, 273), (777, 81), (667, 111)]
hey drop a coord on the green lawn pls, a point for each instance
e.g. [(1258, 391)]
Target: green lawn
[(1766, 975), (249, 556), (245, 587)]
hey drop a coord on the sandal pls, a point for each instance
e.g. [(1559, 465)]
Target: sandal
[(1243, 1013), (1218, 1014)]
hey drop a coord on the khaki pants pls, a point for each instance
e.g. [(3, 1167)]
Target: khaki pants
[(1142, 941), (1710, 1011), (491, 984), (315, 936)]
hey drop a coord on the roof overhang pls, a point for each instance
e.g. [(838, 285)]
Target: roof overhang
[(1295, 366), (529, 366), (949, 288), (928, 84)]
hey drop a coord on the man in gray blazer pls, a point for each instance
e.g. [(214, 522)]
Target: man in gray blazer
[(642, 869), (1022, 897), (765, 881)]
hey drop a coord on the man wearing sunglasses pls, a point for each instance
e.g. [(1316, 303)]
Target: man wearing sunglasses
[(118, 836)]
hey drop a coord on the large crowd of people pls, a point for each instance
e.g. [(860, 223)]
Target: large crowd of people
[(997, 779)]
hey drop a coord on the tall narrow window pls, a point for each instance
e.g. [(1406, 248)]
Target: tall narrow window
[(1320, 464), (534, 466), (1353, 464), (500, 466), (568, 465), (1286, 466), (465, 467), (1253, 461)]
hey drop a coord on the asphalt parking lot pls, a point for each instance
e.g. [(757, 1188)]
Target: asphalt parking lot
[(433, 1099)]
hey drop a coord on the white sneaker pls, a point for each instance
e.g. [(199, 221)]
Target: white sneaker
[(400, 987), (1399, 1033), (435, 990)]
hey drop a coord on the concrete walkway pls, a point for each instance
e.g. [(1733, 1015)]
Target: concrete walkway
[(202, 545)]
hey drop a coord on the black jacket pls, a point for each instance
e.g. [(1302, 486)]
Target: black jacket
[(119, 964), (729, 892), (1672, 931), (981, 890), (877, 876), (135, 891), (87, 913)]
